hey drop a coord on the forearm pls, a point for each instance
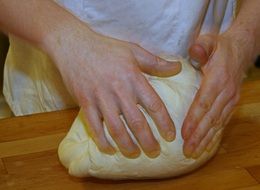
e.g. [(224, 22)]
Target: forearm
[(246, 27), (36, 20)]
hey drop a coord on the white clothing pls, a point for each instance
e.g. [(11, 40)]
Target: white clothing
[(167, 27)]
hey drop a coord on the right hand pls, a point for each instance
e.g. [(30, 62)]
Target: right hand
[(105, 77)]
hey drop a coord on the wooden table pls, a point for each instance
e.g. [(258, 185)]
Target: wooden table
[(28, 154)]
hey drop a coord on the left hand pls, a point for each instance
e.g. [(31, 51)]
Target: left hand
[(223, 64)]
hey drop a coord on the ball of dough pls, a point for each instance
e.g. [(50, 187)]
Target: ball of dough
[(80, 155)]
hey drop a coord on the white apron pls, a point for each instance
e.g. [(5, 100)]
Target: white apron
[(32, 84)]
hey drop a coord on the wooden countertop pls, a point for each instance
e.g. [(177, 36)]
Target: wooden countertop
[(28, 154)]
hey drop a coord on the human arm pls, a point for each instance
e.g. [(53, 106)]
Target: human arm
[(225, 59), (103, 74)]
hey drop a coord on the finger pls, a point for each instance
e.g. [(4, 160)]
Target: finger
[(228, 113), (120, 135), (224, 118), (228, 110), (204, 143), (203, 48), (201, 51), (216, 139), (228, 117), (222, 122), (152, 103), (198, 54), (154, 65), (209, 120), (202, 103), (139, 127), (226, 107), (117, 129), (95, 129)]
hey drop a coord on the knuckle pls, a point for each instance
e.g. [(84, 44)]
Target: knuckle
[(193, 142), (119, 89), (201, 132), (196, 136), (115, 132), (218, 127), (155, 105), (204, 104), (211, 119), (234, 101), (218, 122), (231, 91), (138, 125)]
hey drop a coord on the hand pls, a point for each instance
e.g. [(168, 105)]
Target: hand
[(224, 62), (105, 77)]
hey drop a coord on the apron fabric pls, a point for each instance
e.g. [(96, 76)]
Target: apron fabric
[(32, 83)]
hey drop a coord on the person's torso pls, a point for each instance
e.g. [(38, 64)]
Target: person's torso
[(162, 27), (166, 27)]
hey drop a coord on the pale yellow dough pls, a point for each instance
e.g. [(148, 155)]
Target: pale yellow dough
[(80, 155)]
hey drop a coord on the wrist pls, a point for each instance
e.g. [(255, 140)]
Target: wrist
[(66, 37), (244, 41), (246, 27)]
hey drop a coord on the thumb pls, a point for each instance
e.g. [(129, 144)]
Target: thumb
[(203, 48), (154, 65)]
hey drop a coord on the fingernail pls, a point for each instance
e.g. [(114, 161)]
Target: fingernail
[(161, 62), (109, 150), (194, 155), (214, 141), (170, 136), (154, 154), (188, 150), (197, 153), (133, 153), (210, 146)]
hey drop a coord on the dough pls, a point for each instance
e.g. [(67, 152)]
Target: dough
[(80, 155)]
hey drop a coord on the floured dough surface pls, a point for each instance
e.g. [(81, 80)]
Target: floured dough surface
[(80, 155)]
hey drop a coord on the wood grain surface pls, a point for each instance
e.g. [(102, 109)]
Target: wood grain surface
[(28, 153)]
